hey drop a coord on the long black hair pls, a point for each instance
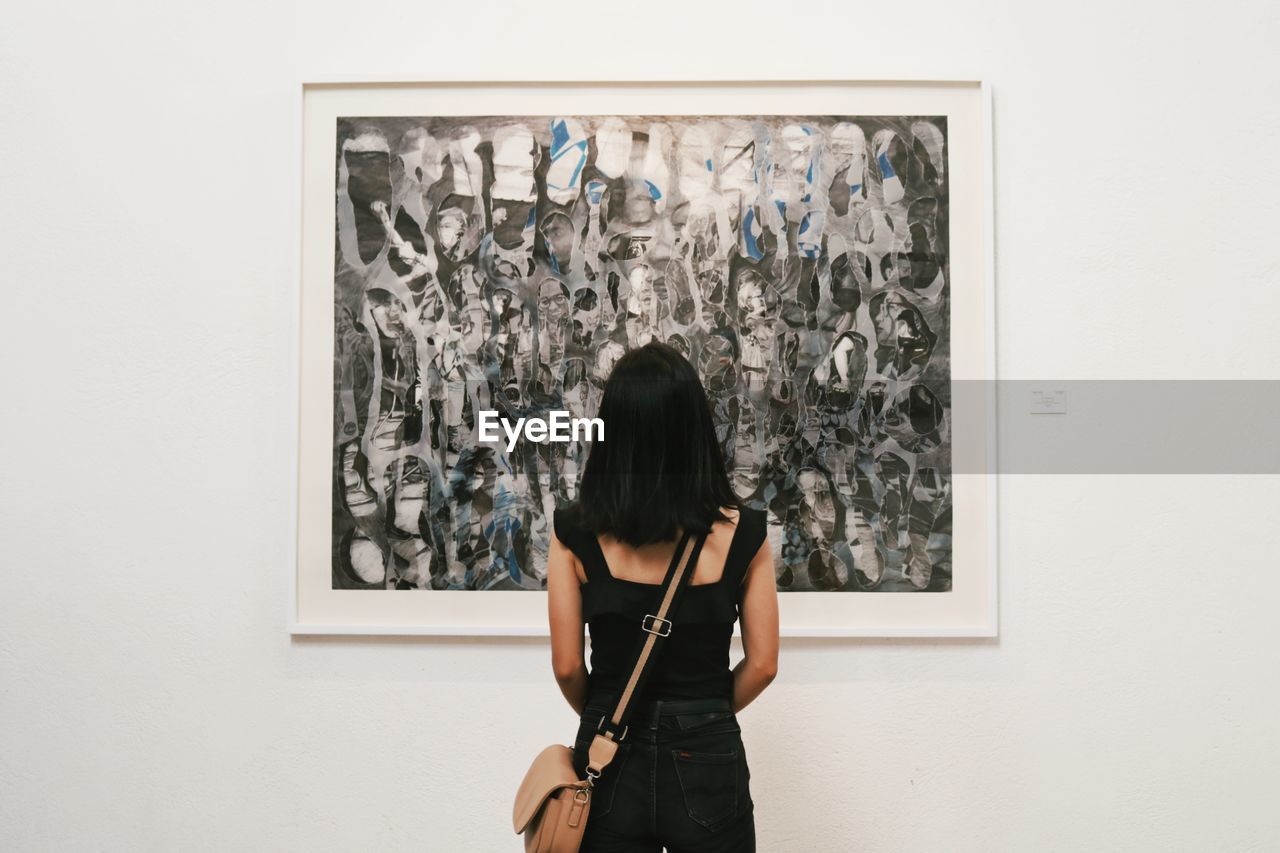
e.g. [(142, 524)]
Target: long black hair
[(659, 470)]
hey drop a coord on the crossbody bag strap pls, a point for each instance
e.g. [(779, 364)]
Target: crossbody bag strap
[(657, 627)]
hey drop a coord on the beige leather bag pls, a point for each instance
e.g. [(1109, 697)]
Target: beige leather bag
[(552, 803)]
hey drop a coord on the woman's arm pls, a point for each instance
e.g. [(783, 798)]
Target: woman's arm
[(759, 665), (564, 613)]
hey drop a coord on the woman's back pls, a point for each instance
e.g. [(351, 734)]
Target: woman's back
[(670, 769), (624, 585)]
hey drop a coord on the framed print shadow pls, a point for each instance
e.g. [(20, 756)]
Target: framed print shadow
[(820, 250)]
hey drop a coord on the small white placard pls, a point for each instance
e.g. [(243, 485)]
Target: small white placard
[(1051, 402)]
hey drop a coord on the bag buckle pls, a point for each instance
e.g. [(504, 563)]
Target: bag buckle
[(620, 738), (650, 624)]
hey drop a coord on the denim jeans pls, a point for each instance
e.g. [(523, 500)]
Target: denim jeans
[(679, 780)]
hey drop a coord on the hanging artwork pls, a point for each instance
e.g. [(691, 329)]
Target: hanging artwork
[(497, 264)]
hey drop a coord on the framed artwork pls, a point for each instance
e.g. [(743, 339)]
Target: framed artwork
[(820, 250)]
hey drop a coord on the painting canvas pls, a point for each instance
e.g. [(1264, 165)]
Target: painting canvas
[(503, 262)]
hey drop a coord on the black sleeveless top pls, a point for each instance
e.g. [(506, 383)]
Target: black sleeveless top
[(694, 660)]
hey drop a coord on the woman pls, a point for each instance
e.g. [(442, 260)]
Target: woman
[(680, 778)]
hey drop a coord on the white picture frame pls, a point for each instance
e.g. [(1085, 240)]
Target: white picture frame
[(967, 609)]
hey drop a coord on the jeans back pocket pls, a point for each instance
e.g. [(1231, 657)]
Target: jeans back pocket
[(709, 784), (707, 723)]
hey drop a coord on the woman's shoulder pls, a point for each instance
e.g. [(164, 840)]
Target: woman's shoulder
[(569, 533), (566, 521), (752, 526), (751, 529)]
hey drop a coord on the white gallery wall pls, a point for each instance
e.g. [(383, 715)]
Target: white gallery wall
[(150, 697)]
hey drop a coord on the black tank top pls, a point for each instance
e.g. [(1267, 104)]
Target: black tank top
[(694, 660)]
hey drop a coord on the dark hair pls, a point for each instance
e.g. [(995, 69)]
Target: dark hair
[(659, 471)]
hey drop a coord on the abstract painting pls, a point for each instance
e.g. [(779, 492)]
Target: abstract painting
[(506, 262)]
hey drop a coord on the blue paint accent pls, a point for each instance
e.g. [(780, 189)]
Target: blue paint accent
[(807, 198), (573, 179), (885, 169), (561, 147), (559, 135), (810, 244), (749, 239), (555, 265), (708, 164), (533, 217), (855, 188), (781, 205), (808, 175), (654, 192)]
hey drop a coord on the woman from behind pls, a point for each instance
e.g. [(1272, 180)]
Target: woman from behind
[(680, 778)]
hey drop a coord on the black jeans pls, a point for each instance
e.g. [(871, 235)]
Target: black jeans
[(680, 780)]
